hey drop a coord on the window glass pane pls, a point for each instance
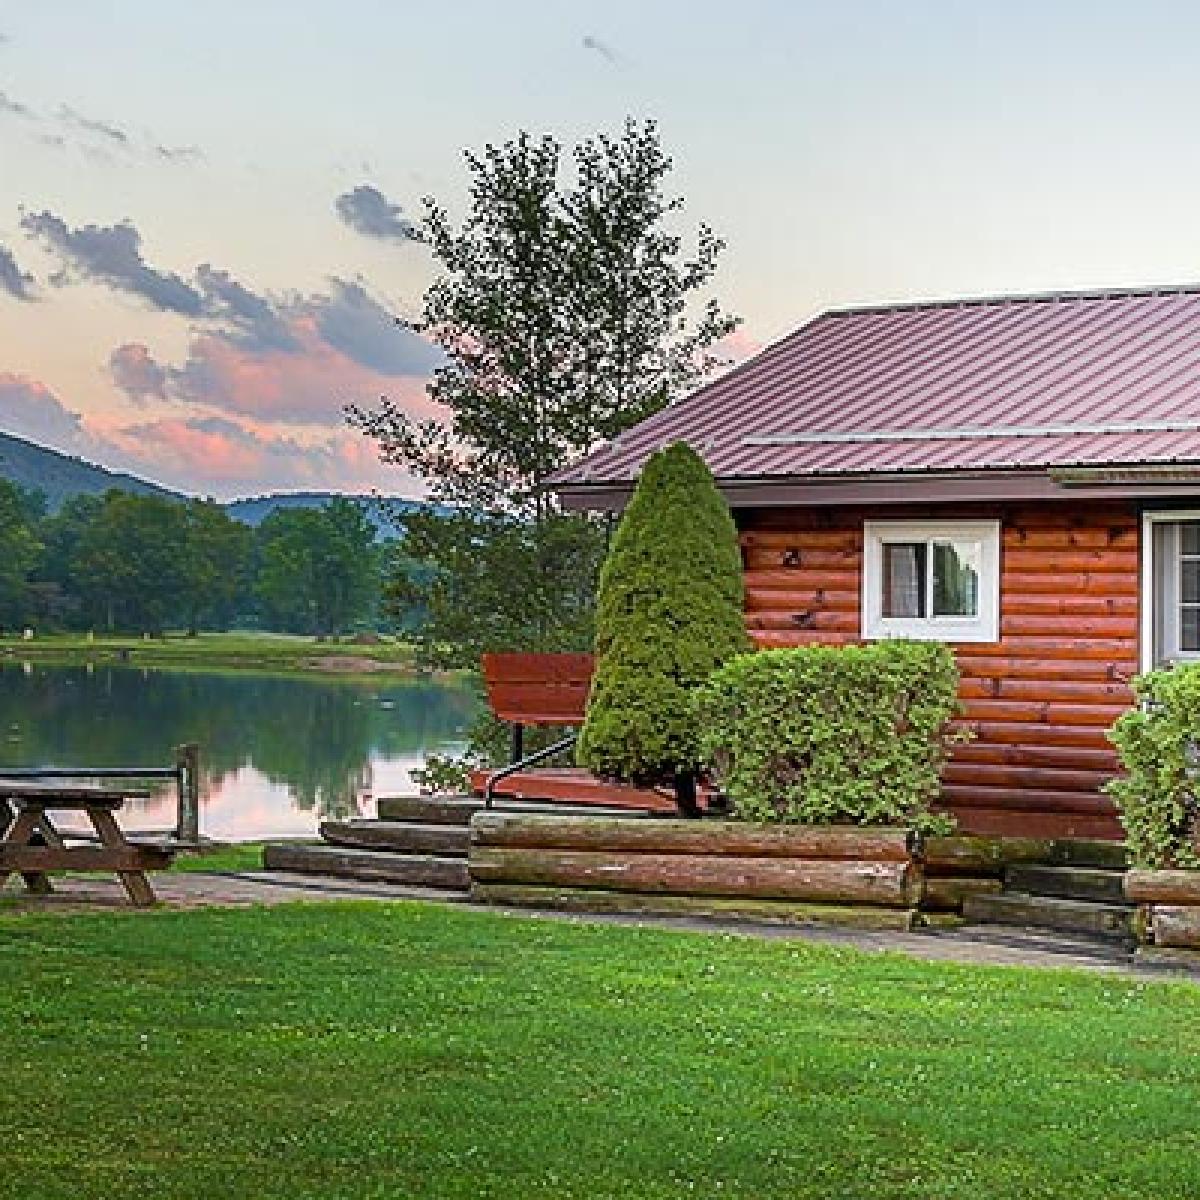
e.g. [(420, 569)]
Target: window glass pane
[(1189, 537), (1189, 581), (956, 579), (904, 579), (1189, 629)]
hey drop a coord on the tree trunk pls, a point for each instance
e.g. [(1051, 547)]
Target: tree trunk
[(685, 794)]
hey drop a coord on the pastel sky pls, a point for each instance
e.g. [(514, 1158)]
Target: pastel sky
[(203, 206)]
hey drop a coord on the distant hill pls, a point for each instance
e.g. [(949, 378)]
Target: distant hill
[(60, 476), (383, 512)]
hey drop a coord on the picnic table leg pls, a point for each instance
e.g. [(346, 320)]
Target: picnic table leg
[(137, 886), (20, 833)]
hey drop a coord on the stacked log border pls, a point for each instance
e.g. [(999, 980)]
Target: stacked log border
[(1168, 907), (836, 873), (847, 874)]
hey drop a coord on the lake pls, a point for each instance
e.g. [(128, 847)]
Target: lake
[(278, 753)]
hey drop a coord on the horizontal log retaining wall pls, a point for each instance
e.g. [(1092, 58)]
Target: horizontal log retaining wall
[(1041, 698), (784, 872), (1169, 906)]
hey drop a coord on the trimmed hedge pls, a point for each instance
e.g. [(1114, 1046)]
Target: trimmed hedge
[(668, 613), (1159, 746), (823, 734)]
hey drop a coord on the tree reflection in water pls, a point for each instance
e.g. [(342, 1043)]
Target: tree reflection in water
[(316, 744)]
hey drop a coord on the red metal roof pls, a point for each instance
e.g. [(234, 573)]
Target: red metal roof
[(1011, 383)]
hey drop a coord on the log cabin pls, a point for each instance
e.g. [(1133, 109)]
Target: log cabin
[(1016, 476)]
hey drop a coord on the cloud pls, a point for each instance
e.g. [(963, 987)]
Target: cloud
[(369, 212), (111, 254), (231, 458), (596, 46), (255, 319), (175, 154), (136, 373), (13, 280), (29, 409), (103, 129), (353, 322), (14, 108)]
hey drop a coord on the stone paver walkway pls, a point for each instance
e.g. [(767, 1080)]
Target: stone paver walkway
[(978, 945)]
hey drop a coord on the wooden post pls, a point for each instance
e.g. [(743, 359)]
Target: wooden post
[(188, 761)]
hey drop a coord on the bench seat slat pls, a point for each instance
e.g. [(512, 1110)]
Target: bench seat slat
[(82, 858)]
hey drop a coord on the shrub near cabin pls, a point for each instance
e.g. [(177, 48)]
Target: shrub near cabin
[(1039, 700)]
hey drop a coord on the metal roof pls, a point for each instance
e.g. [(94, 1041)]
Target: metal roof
[(1020, 383)]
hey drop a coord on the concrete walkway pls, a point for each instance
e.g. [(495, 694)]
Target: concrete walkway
[(979, 945)]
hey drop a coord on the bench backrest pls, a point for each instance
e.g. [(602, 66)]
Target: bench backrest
[(538, 689)]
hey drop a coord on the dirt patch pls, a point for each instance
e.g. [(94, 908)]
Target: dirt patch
[(348, 664)]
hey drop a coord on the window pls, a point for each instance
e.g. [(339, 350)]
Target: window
[(936, 580), (1172, 588)]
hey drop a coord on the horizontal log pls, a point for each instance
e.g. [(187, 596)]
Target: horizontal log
[(810, 539), (1058, 713), (83, 858), (1004, 822), (773, 577), (825, 881), (1079, 691), (1073, 625), (1032, 583), (1042, 733), (602, 900), (1114, 669), (1175, 925), (1123, 651), (946, 893), (959, 855), (1069, 758), (731, 838), (805, 618), (1072, 562), (1033, 779), (963, 796), (1099, 537), (829, 600), (1163, 887), (1071, 604), (800, 558)]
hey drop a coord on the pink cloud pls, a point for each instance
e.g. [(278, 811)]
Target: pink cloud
[(29, 409)]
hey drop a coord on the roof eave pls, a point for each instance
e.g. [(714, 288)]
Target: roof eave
[(906, 487)]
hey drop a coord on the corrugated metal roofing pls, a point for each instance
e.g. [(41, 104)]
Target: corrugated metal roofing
[(1035, 382)]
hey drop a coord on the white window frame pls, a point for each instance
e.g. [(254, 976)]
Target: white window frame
[(983, 627), (1149, 598)]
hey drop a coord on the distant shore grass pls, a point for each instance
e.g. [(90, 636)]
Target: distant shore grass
[(273, 652)]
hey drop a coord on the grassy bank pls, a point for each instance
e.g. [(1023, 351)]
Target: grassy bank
[(272, 652), (408, 1050)]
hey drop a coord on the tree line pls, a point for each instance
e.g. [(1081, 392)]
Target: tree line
[(126, 563)]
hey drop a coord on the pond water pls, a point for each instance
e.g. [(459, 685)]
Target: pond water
[(278, 754)]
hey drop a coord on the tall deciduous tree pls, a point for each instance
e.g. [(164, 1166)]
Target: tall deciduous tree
[(19, 549), (568, 311)]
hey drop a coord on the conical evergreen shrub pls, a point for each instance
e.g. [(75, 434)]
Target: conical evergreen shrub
[(668, 613)]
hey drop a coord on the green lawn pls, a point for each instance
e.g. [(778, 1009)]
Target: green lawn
[(233, 651), (373, 1050), (234, 856)]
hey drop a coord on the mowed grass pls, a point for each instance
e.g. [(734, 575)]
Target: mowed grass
[(406, 1050), (273, 652)]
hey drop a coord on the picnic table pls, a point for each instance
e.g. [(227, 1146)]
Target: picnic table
[(32, 845)]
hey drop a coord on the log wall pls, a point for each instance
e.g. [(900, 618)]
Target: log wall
[(1038, 701)]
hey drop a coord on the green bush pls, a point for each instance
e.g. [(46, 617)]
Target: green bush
[(1159, 746), (823, 735), (669, 612)]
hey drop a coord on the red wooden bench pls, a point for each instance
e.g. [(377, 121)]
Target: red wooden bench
[(537, 689)]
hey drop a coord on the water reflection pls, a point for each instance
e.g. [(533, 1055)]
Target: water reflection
[(278, 753)]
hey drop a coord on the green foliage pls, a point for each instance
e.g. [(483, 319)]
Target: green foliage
[(567, 311), (668, 614), (318, 567), (217, 560), (822, 734), (1159, 746), (19, 550)]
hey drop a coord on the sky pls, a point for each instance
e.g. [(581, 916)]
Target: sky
[(205, 209)]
